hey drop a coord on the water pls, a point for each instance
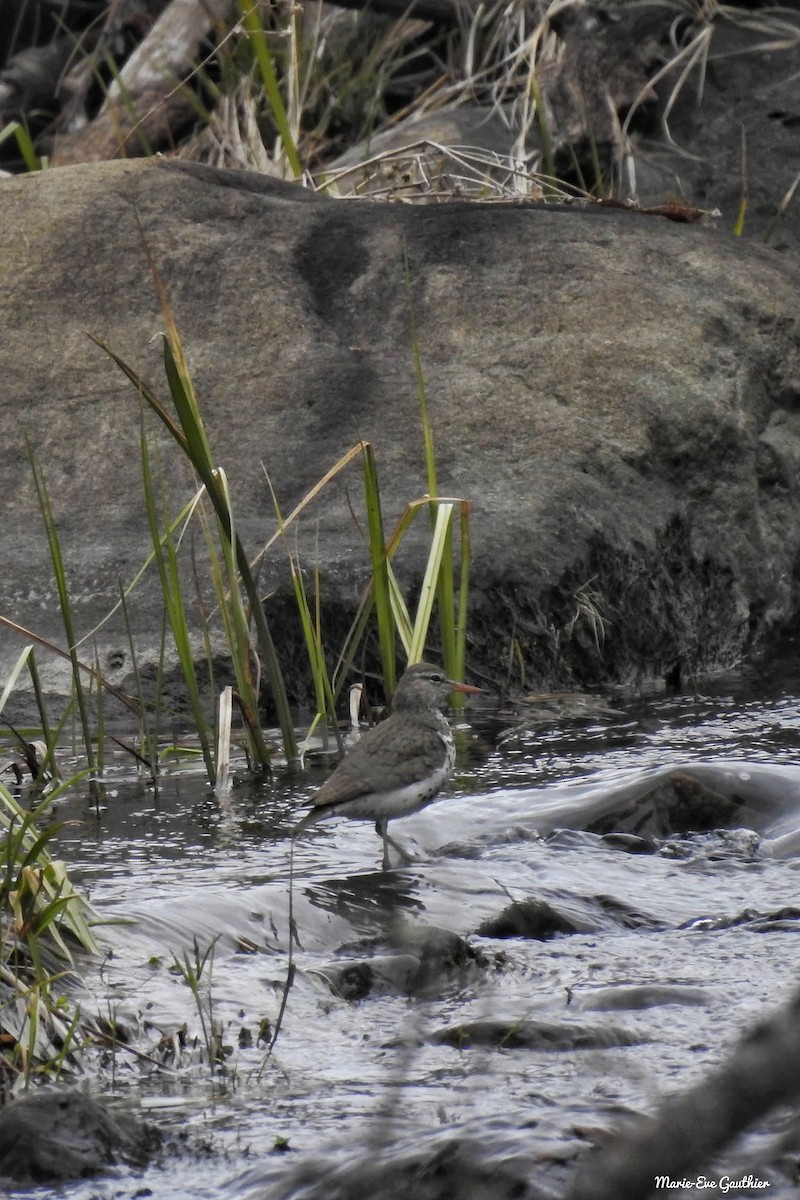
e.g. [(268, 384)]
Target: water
[(362, 1064)]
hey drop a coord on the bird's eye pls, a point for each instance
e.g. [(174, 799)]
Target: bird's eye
[(437, 678)]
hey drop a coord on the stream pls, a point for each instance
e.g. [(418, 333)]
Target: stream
[(597, 910)]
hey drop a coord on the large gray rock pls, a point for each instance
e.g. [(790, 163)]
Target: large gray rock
[(616, 394)]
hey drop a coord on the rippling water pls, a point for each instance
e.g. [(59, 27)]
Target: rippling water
[(563, 819)]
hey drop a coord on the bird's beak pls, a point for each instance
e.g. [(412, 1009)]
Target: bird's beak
[(467, 688)]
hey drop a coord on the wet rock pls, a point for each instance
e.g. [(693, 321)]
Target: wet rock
[(53, 1135), (743, 845), (631, 843), (440, 951), (539, 919), (535, 1034), (679, 803), (717, 809), (378, 976), (432, 1168), (782, 920), (530, 919), (626, 916), (423, 959), (638, 997)]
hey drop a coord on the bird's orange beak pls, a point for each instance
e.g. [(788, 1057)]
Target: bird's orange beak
[(466, 688)]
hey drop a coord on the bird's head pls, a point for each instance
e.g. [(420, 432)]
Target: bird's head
[(424, 685)]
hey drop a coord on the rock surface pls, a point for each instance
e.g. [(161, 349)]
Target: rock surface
[(55, 1135), (616, 394)]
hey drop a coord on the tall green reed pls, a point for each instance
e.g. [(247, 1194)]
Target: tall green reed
[(190, 434), (65, 606), (238, 602), (166, 559), (197, 974), (235, 614), (383, 597), (311, 624), (452, 608), (262, 53)]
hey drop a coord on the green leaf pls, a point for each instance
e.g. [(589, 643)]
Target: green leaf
[(258, 40)]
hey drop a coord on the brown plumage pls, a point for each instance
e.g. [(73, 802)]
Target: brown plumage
[(399, 766)]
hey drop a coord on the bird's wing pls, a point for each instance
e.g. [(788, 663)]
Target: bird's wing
[(365, 771)]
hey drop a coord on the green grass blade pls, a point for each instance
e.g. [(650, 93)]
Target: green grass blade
[(311, 494), (258, 41), (354, 638), (269, 655), (548, 156), (441, 539), (146, 393), (311, 626), (738, 225), (445, 588), (402, 618), (182, 519), (380, 573), (68, 1046), (100, 711), (323, 690), (147, 737), (14, 674), (48, 516), (185, 401), (37, 842), (445, 596), (169, 576), (74, 905), (33, 878), (237, 625), (50, 736), (463, 596), (316, 658), (198, 450), (24, 142), (194, 444), (329, 698), (403, 624)]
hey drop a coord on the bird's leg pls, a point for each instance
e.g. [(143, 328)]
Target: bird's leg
[(380, 829), (404, 854)]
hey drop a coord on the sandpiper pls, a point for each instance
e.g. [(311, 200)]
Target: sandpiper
[(399, 766)]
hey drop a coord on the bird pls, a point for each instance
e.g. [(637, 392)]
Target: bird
[(398, 766)]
